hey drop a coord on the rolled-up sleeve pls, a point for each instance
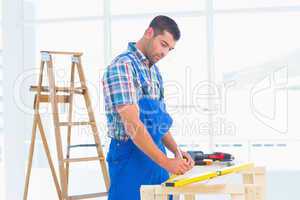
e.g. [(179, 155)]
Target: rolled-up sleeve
[(118, 84)]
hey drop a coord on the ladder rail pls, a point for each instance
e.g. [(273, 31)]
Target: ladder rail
[(38, 124), (54, 106), (46, 147), (70, 118), (93, 126)]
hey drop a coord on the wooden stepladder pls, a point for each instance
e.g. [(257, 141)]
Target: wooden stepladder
[(64, 95)]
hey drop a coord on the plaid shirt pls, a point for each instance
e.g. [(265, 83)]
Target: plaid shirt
[(121, 85)]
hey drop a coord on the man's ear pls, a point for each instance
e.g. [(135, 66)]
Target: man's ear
[(149, 33)]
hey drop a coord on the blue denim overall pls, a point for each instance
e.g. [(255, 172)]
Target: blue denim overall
[(129, 167)]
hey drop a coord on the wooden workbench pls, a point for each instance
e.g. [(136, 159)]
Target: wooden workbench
[(246, 185)]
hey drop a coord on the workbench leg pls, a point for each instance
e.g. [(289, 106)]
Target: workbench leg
[(248, 178), (147, 193), (189, 197), (237, 197), (258, 180), (161, 197), (250, 192), (260, 193), (261, 181), (254, 192)]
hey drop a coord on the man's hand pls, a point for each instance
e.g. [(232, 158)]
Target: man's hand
[(170, 143), (177, 166), (187, 157)]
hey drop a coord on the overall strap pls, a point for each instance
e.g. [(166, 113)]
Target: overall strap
[(161, 86), (139, 72), (141, 77)]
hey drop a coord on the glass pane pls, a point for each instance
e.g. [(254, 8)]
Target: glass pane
[(185, 68), (86, 37), (154, 6), (50, 9), (273, 153), (246, 40), (257, 60), (253, 58), (234, 4), (190, 128), (124, 31)]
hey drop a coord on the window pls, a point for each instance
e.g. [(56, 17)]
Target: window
[(56, 9), (257, 54), (154, 6), (237, 4)]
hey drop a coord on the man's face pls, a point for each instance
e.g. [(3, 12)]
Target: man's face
[(159, 46)]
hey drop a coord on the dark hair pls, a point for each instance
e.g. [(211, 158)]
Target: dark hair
[(163, 23)]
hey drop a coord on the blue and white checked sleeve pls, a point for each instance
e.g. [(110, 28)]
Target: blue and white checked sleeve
[(118, 84)]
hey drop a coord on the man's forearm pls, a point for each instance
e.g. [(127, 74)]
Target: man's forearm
[(170, 143), (144, 141), (139, 134)]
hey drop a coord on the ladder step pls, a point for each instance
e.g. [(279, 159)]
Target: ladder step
[(76, 123), (60, 98), (64, 53), (87, 196), (83, 159), (77, 90), (82, 145)]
